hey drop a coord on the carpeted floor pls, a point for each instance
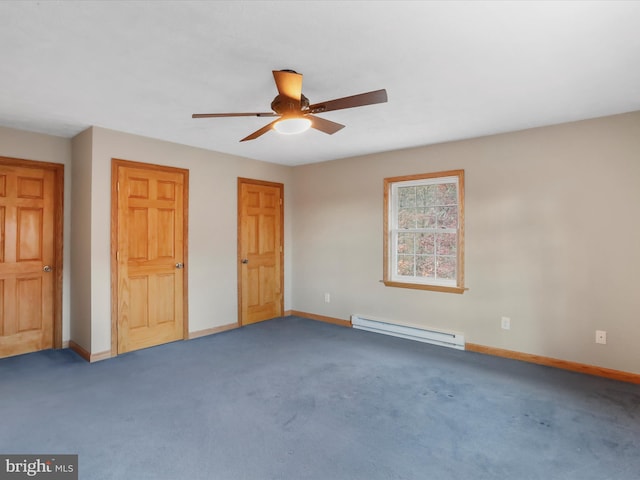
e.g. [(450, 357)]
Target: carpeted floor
[(297, 399)]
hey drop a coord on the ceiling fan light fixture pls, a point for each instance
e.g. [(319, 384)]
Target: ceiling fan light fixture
[(292, 126)]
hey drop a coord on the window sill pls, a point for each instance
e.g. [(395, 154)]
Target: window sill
[(420, 286)]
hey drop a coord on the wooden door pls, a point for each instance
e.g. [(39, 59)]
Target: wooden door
[(28, 249), (260, 250), (150, 254)]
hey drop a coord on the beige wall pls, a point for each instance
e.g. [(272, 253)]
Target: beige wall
[(212, 225), (552, 240), (47, 148), (81, 239)]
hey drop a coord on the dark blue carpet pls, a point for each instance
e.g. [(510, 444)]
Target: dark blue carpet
[(297, 399)]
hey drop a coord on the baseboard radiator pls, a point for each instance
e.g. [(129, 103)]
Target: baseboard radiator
[(436, 337)]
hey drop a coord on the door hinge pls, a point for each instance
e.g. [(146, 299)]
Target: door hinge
[(280, 201), (117, 256), (117, 186), (280, 248)]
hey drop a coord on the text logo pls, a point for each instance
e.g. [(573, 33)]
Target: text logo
[(49, 467)]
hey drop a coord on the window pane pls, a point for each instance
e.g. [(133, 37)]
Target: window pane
[(447, 217), (405, 265), (446, 267), (430, 194), (425, 243), (447, 194), (425, 217), (425, 266), (426, 195), (407, 196), (406, 242), (406, 218), (446, 243)]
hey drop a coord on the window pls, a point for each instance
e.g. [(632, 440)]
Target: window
[(424, 231)]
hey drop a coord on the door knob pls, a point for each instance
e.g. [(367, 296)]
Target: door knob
[(47, 268), (245, 260), (179, 265)]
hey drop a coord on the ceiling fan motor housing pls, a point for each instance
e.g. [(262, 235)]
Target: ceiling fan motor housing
[(283, 105)]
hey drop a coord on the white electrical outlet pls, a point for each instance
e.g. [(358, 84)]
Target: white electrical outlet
[(327, 298), (601, 336), (505, 322)]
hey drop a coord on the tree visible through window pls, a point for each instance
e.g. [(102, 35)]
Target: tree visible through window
[(424, 231)]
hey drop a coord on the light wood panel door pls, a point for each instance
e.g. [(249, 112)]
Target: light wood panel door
[(27, 259), (150, 255), (260, 250)]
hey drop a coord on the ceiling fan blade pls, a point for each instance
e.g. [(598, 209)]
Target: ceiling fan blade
[(217, 115), (288, 83), (324, 125), (260, 132), (369, 98)]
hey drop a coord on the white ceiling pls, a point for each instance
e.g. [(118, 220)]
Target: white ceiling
[(452, 70)]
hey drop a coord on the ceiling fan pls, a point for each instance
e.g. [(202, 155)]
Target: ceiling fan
[(294, 111)]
